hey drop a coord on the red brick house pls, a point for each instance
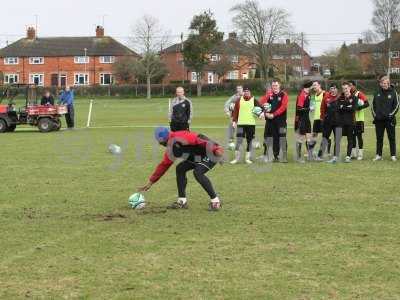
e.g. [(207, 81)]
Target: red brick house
[(243, 65), (231, 50), (62, 61)]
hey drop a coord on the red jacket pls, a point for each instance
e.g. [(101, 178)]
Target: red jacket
[(328, 98), (281, 108), (193, 142)]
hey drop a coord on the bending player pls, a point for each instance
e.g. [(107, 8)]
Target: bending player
[(200, 155)]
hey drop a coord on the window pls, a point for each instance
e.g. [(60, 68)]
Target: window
[(233, 75), (107, 59), (234, 59), (377, 55), (294, 57), (275, 56), (215, 57), (194, 77), (36, 60), (106, 79), (11, 61), (11, 78), (395, 70), (81, 59), (36, 79), (395, 54), (81, 79)]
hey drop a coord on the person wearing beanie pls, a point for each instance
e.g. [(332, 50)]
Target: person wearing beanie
[(180, 111), (199, 154), (245, 123), (302, 124), (275, 104), (360, 119)]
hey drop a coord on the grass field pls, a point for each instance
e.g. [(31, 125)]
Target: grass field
[(313, 231)]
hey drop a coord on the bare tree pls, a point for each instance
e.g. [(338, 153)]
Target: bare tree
[(149, 39), (261, 27), (386, 18)]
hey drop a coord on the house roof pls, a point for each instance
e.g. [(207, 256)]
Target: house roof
[(66, 46), (288, 49), (358, 48)]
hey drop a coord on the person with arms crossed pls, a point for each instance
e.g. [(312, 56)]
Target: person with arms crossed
[(180, 113)]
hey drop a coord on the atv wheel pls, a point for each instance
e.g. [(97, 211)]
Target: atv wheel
[(3, 126), (45, 125), (11, 128), (57, 125)]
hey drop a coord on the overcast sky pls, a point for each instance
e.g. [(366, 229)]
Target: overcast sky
[(321, 20)]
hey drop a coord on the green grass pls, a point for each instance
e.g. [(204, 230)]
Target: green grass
[(292, 231)]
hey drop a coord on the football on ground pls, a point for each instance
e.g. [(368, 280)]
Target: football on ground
[(286, 231)]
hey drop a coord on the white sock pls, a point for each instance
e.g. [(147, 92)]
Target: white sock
[(182, 200), (215, 200)]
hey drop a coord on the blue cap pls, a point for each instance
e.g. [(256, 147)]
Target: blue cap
[(161, 134)]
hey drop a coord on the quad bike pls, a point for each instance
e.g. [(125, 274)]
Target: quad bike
[(46, 117)]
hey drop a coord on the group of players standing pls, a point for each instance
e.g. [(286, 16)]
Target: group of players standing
[(337, 113)]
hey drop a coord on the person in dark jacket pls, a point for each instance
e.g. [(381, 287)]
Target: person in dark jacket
[(385, 106), (345, 106), (47, 99), (180, 111)]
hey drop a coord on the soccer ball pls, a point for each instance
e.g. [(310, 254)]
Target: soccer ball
[(231, 146), (256, 145), (268, 107), (115, 149), (137, 201), (360, 103), (257, 111)]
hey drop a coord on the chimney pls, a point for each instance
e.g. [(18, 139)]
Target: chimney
[(287, 41), (360, 41), (99, 31), (31, 33), (232, 35)]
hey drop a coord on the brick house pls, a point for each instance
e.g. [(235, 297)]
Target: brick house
[(289, 56), (231, 50), (243, 65), (374, 57), (62, 61)]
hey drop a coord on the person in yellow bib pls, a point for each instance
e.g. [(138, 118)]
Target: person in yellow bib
[(245, 123), (316, 101)]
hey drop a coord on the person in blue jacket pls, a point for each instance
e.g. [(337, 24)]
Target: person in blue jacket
[(67, 98)]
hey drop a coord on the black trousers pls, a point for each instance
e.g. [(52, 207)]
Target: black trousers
[(175, 126), (199, 171), (390, 127), (347, 130), (277, 131), (70, 116), (245, 131), (327, 129)]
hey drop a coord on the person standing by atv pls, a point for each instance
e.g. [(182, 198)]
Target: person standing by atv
[(47, 99), (180, 111), (67, 98)]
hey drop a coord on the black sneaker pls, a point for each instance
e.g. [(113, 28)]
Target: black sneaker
[(178, 205), (214, 206)]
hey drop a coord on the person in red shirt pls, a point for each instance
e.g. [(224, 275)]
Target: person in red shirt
[(275, 104), (200, 155), (302, 124)]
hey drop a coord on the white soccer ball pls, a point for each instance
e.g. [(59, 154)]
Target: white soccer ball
[(268, 107), (231, 146), (115, 149), (256, 145), (137, 201)]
